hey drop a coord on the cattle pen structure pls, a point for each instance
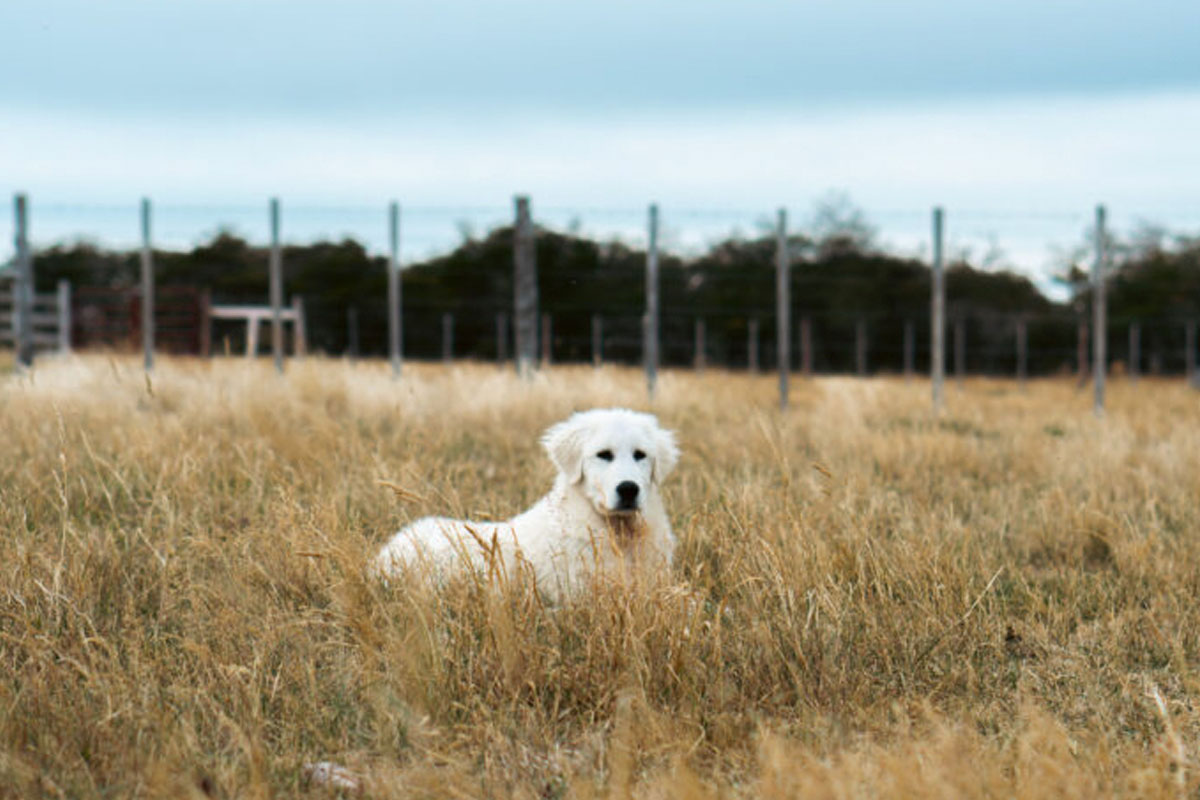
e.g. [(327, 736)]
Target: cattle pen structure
[(947, 337)]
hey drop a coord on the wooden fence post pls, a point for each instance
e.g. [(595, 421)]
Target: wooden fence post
[(206, 323), (501, 338), (960, 350), (352, 332), (1100, 313), (276, 266), (1135, 350), (910, 346), (597, 340), (1189, 359), (937, 348), (147, 263), (1081, 342), (1022, 347), (14, 316), (650, 321), (783, 304), (752, 345), (860, 347), (299, 327), (252, 331), (64, 316), (806, 354), (525, 288), (394, 292)]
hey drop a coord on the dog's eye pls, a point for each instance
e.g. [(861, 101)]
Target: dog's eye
[(605, 454), (638, 455)]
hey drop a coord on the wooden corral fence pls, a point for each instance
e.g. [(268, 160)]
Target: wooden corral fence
[(255, 316), (50, 318), (113, 318)]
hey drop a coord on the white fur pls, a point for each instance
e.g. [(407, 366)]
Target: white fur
[(581, 527)]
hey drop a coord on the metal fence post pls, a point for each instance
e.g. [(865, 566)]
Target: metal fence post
[(276, 266), (937, 354), (1099, 312), (783, 304), (147, 290), (23, 286), (650, 322), (525, 287), (395, 310), (64, 316)]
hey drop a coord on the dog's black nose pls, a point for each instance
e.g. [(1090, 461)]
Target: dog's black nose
[(627, 491)]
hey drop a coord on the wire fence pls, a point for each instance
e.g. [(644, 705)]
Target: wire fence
[(1033, 242), (723, 330)]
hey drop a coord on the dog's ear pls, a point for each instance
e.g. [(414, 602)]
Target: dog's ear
[(666, 454), (564, 444)]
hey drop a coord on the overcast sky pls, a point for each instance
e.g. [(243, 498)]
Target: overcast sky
[(1016, 107), (364, 57)]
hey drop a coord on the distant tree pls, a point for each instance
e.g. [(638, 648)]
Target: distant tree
[(83, 264), (994, 258), (838, 225), (1146, 240)]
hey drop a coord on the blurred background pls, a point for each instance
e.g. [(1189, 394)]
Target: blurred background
[(856, 117)]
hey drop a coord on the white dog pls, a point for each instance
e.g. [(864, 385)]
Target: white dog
[(603, 515)]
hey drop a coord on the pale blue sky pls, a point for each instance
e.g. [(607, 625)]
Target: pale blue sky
[(997, 110), (366, 57)]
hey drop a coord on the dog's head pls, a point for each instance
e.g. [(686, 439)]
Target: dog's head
[(615, 454)]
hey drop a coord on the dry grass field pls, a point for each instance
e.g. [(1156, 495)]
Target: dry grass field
[(867, 602)]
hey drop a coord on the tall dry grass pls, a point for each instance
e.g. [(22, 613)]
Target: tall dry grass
[(867, 602)]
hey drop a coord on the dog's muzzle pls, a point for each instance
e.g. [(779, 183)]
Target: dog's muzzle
[(627, 496)]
